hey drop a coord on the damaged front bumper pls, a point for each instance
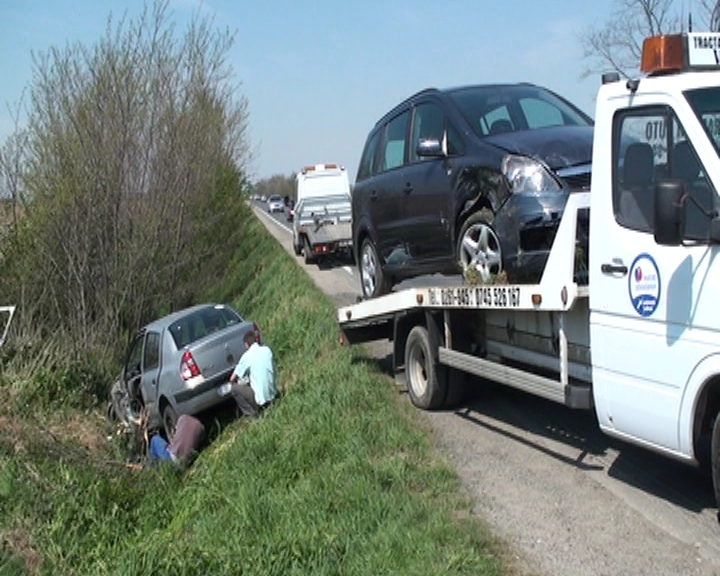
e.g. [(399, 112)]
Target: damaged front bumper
[(526, 226)]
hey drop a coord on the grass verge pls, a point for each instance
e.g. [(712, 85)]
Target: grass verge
[(337, 478)]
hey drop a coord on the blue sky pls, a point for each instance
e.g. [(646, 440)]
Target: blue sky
[(318, 74)]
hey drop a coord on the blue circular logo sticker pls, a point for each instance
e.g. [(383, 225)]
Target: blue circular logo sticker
[(644, 285)]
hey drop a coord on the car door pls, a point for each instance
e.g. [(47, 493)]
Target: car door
[(387, 194), (150, 367), (652, 306), (427, 189)]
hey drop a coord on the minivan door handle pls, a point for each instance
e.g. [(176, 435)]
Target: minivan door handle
[(408, 188), (614, 269)]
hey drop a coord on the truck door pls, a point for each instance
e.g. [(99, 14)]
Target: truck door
[(651, 306), (386, 192)]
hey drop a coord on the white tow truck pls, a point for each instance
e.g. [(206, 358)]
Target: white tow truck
[(637, 338), (322, 224)]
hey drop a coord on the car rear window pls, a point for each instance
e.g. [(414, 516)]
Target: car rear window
[(200, 323)]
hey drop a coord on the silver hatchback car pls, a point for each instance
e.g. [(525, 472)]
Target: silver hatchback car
[(176, 364)]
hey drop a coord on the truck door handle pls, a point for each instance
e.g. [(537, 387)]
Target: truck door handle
[(614, 269), (373, 195), (408, 188)]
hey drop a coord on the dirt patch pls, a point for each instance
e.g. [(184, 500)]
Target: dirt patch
[(16, 543)]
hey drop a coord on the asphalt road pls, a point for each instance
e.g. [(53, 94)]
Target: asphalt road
[(568, 499)]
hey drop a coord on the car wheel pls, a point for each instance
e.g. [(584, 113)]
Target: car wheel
[(169, 420), (479, 246), (425, 377), (372, 279)]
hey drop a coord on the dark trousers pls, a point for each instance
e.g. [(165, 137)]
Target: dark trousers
[(245, 399)]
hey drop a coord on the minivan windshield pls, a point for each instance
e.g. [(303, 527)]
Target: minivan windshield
[(705, 102), (498, 109)]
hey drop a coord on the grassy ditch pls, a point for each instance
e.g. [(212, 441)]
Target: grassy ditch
[(338, 477)]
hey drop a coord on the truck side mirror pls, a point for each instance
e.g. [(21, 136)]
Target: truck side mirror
[(669, 213)]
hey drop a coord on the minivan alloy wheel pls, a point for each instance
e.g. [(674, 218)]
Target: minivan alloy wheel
[(372, 278), (479, 245)]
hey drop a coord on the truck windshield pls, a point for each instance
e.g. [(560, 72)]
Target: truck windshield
[(705, 102)]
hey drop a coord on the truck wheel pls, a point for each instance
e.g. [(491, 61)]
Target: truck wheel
[(372, 279), (307, 251), (425, 377), (297, 249), (169, 419), (478, 245), (715, 460)]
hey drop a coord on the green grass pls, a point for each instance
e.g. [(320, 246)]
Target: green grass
[(340, 476)]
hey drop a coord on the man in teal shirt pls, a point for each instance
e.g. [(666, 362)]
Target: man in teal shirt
[(253, 380)]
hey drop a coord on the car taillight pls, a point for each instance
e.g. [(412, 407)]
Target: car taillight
[(258, 335), (188, 368)]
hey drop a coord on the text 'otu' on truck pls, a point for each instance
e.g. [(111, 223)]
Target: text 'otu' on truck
[(639, 342)]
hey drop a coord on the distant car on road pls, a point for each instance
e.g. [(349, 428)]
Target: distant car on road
[(175, 365), (275, 204)]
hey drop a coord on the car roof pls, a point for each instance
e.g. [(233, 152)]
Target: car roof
[(165, 321)]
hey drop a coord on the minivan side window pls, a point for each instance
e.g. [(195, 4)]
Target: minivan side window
[(393, 153), (368, 165), (428, 124)]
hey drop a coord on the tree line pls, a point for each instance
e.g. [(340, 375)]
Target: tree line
[(121, 195)]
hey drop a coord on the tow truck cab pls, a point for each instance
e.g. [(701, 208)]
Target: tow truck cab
[(654, 272)]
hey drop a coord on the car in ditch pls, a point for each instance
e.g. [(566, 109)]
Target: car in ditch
[(175, 365), (470, 178)]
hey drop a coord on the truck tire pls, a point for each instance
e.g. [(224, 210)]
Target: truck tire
[(307, 251), (478, 245), (715, 460), (426, 382), (373, 281), (297, 248)]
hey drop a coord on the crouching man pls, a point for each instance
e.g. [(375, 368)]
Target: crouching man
[(252, 383)]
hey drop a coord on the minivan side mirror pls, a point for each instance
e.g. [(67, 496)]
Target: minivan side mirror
[(669, 213), (429, 149)]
